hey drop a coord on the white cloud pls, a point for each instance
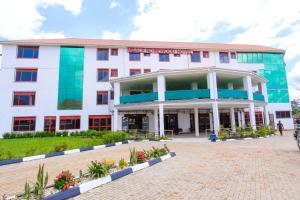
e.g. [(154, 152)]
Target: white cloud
[(193, 19), (114, 4), (294, 81), (111, 35), (21, 19)]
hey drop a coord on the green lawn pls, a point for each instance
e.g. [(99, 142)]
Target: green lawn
[(18, 148)]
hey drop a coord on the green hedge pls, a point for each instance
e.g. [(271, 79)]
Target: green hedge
[(108, 135)]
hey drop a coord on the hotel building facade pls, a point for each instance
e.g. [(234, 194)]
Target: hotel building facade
[(180, 87)]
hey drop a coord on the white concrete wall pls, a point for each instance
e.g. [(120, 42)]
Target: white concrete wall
[(287, 122), (184, 121)]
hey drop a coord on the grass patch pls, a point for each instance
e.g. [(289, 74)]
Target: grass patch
[(22, 147)]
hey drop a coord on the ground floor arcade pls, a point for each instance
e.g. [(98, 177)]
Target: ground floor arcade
[(186, 117)]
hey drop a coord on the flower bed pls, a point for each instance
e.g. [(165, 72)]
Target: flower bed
[(98, 173), (248, 132)]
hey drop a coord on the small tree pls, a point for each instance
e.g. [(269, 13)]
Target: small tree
[(41, 183)]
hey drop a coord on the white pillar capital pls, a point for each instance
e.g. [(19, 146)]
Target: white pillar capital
[(117, 93), (161, 87), (247, 82)]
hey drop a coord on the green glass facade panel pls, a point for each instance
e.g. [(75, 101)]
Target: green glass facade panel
[(137, 98), (274, 72), (70, 86), (258, 97), (232, 94), (187, 94)]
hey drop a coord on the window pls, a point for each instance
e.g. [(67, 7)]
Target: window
[(50, 124), (28, 52), (114, 52), (147, 70), (195, 56), (69, 122), (25, 75), (205, 54), (147, 54), (134, 72), (112, 94), (283, 114), (164, 57), (114, 72), (224, 57), (24, 99), (259, 118), (100, 122), (102, 97), (134, 56), (24, 124), (103, 75), (250, 57), (176, 55), (233, 55), (102, 54)]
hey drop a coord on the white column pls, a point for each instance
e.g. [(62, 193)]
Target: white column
[(230, 86), (264, 91), (161, 120), (117, 93), (247, 82), (116, 120), (154, 86), (196, 117), (252, 116), (266, 117), (161, 87), (194, 86), (156, 128), (239, 118), (212, 84), (211, 125), (243, 119), (232, 119), (216, 117)]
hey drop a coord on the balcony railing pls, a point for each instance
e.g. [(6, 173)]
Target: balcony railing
[(187, 94), (258, 97), (137, 98), (232, 94)]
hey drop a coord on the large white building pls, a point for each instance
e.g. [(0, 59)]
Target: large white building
[(80, 84)]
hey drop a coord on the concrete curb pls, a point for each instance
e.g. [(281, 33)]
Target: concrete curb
[(75, 191), (60, 153), (247, 138)]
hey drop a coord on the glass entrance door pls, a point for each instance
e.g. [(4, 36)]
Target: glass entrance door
[(171, 122)]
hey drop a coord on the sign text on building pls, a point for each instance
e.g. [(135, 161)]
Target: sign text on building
[(157, 50)]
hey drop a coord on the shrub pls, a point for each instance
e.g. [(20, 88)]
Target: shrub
[(140, 157), (157, 152), (98, 169), (61, 147), (62, 134), (150, 136), (109, 163), (122, 164), (64, 181), (133, 156), (111, 137), (27, 192)]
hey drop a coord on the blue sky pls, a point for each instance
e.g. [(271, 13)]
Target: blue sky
[(267, 22)]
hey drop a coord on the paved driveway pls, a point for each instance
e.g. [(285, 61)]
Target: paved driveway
[(252, 169)]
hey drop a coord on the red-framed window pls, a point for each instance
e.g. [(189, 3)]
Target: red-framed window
[(50, 123), (223, 56), (100, 122), (69, 122), (134, 56), (195, 56), (147, 70), (283, 114), (102, 54), (103, 75), (164, 57), (24, 99), (26, 75), (28, 52), (205, 54), (102, 97), (24, 124), (232, 55), (114, 72), (114, 52), (258, 118), (133, 72)]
